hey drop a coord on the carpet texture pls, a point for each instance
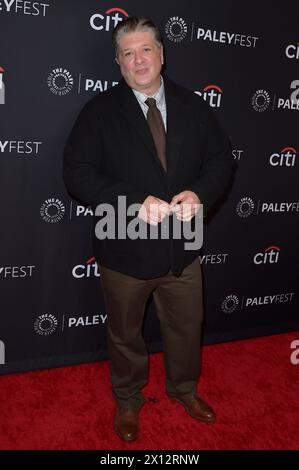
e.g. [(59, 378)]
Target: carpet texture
[(251, 384)]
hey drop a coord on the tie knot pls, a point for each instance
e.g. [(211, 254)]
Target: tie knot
[(151, 102)]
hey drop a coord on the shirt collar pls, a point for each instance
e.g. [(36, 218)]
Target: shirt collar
[(158, 96)]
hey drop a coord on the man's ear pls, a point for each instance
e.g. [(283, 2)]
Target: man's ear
[(116, 60)]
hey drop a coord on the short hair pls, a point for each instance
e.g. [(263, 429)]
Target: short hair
[(131, 25)]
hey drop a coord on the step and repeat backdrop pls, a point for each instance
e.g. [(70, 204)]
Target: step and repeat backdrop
[(243, 59)]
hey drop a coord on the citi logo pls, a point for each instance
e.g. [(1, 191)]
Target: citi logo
[(212, 95), (109, 20), (269, 255), (286, 157), (89, 269), (2, 87), (292, 51)]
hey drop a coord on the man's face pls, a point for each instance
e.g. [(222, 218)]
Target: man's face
[(140, 60)]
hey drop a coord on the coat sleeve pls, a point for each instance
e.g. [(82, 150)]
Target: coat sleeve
[(82, 173), (218, 163)]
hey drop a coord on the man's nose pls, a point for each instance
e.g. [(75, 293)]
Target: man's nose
[(138, 57)]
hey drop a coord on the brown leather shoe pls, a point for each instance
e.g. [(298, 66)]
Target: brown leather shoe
[(126, 423), (196, 407)]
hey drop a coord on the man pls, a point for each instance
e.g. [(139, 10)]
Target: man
[(160, 146)]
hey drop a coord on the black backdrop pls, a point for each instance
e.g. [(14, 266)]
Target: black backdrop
[(243, 58)]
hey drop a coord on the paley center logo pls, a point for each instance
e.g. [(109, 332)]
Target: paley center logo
[(245, 207), (2, 86), (45, 324), (260, 100), (52, 210), (109, 20), (270, 255), (24, 7), (89, 269), (230, 303), (292, 51), (60, 81), (212, 94), (176, 29)]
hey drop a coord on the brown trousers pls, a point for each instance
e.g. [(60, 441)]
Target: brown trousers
[(178, 301)]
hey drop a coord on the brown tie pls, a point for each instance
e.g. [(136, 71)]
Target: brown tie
[(157, 128)]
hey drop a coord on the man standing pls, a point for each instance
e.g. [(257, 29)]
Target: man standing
[(159, 145)]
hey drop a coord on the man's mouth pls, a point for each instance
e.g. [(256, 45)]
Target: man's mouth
[(141, 71)]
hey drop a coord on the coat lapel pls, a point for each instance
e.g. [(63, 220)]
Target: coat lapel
[(177, 124), (132, 111)]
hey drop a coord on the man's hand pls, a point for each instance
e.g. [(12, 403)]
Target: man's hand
[(188, 207), (153, 210)]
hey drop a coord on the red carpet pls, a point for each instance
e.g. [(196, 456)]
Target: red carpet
[(251, 384)]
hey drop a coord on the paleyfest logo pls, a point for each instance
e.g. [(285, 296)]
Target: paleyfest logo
[(25, 7), (109, 20)]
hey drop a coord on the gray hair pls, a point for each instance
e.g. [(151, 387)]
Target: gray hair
[(133, 24)]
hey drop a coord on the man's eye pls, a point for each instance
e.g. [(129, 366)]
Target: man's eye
[(146, 49), (127, 54)]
